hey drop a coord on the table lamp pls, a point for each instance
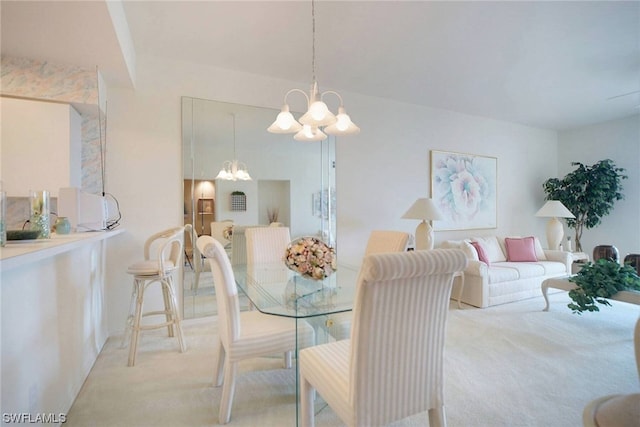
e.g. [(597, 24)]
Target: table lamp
[(426, 210), (554, 209)]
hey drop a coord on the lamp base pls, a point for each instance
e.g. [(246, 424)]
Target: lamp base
[(555, 232), (424, 236)]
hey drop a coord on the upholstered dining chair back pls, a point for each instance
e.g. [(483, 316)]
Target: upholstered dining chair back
[(217, 231), (398, 333), (245, 335), (381, 241), (394, 360), (226, 289), (266, 244)]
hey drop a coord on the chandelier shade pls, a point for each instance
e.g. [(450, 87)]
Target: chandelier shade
[(310, 126), (233, 170)]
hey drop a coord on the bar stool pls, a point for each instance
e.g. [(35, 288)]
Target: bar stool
[(168, 245)]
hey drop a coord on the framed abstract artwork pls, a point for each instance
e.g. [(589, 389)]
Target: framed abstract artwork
[(463, 186)]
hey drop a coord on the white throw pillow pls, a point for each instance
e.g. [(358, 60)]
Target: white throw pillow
[(539, 251), (492, 247)]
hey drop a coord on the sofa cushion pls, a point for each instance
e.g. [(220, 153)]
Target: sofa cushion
[(481, 253), (501, 274), (552, 267), (492, 248), (525, 269), (520, 249)]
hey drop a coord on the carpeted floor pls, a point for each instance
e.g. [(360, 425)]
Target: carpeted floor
[(511, 365)]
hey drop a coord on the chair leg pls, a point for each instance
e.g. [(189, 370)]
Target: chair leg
[(307, 396), (287, 359), (196, 280), (164, 284), (228, 389), (175, 314), (130, 317), (218, 375), (135, 327), (437, 417)]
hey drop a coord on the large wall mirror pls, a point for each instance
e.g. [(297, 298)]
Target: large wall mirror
[(293, 183)]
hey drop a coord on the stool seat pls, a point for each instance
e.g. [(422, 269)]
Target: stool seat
[(148, 268), (168, 245)]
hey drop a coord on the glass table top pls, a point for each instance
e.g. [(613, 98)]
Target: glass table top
[(276, 290)]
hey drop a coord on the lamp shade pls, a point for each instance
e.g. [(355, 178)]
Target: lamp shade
[(423, 209), (554, 209)]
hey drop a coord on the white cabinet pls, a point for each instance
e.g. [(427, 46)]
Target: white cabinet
[(41, 146)]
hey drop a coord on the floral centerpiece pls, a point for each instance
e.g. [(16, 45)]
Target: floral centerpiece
[(311, 257), (227, 233)]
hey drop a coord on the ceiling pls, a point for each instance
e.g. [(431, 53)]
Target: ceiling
[(555, 65)]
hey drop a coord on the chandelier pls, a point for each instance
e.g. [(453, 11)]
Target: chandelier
[(318, 121), (232, 170)]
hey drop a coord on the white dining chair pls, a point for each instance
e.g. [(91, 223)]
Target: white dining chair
[(393, 365), (198, 263), (616, 410), (162, 256), (217, 231), (380, 241), (266, 244), (244, 335)]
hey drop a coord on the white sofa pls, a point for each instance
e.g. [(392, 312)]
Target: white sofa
[(502, 281)]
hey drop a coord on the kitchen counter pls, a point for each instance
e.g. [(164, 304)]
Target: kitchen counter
[(20, 252)]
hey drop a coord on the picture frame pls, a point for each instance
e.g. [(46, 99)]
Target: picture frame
[(205, 206), (464, 187)]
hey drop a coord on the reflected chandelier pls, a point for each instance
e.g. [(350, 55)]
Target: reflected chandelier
[(234, 170), (310, 126)]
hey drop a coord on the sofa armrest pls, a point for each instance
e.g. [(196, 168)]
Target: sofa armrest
[(560, 256), (476, 268)]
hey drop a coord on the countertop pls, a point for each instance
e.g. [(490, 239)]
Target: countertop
[(20, 252)]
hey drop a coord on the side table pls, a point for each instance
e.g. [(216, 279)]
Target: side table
[(578, 258)]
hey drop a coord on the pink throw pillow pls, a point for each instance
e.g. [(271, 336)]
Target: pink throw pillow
[(482, 254), (521, 250)]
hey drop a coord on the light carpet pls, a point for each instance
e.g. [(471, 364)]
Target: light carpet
[(511, 365)]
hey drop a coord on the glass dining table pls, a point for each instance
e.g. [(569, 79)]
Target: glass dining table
[(275, 290)]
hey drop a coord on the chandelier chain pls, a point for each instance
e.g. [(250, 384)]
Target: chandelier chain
[(233, 118), (313, 42)]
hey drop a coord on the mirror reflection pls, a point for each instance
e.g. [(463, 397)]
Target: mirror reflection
[(292, 184)]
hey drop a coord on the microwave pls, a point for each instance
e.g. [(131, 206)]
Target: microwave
[(85, 211)]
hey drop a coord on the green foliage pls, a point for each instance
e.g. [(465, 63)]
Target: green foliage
[(589, 192), (599, 280)]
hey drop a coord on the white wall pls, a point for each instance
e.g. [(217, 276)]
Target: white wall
[(380, 172), (618, 140)]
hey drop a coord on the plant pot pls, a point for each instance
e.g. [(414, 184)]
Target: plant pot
[(607, 252)]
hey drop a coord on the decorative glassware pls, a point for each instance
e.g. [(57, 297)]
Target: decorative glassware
[(39, 219), (3, 218), (63, 226)]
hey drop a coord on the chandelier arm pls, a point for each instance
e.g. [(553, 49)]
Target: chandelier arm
[(333, 93), (300, 91)]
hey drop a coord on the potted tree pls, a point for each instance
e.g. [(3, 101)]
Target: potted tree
[(589, 192)]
